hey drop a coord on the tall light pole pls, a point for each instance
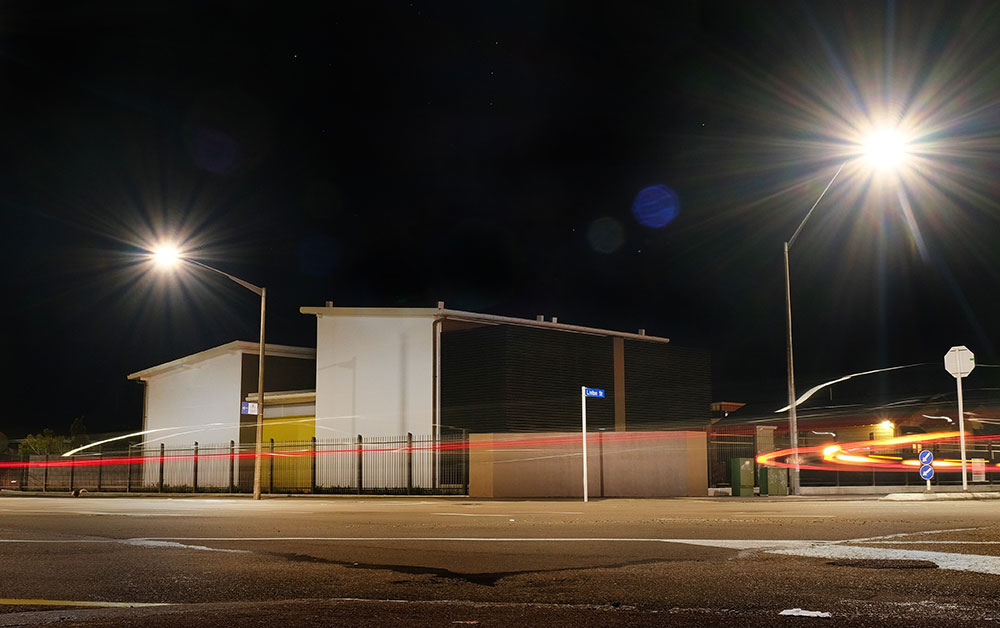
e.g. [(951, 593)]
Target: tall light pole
[(884, 149), (168, 257), (793, 427)]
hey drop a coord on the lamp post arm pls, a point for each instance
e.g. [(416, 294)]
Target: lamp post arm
[(259, 431), (246, 284), (791, 240)]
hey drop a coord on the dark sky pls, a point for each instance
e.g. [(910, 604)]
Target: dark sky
[(488, 154)]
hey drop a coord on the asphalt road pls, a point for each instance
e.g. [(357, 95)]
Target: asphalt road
[(392, 561)]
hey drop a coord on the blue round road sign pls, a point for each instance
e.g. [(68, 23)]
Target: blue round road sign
[(925, 457), (927, 472)]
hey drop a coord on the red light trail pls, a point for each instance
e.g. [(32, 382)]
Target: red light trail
[(874, 455), (366, 448)]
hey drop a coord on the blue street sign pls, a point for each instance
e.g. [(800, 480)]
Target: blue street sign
[(925, 457), (593, 392), (927, 472)]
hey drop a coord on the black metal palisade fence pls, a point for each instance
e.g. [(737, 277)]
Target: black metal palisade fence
[(361, 465)]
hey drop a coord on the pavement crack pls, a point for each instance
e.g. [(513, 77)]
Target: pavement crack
[(483, 579)]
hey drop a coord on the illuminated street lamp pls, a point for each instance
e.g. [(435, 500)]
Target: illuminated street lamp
[(166, 257), (884, 149)]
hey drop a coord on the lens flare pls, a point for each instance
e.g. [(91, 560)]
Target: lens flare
[(886, 149), (166, 256)]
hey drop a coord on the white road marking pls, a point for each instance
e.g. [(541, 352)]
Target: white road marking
[(465, 514), (133, 514), (811, 548), (173, 545), (770, 515), (957, 562), (918, 542), (902, 534), (44, 602)]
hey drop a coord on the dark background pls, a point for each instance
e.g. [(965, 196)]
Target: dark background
[(487, 155)]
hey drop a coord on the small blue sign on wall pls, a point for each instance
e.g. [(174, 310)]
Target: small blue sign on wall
[(593, 392), (927, 472), (248, 407)]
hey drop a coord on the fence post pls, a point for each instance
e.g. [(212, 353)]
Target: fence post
[(100, 466), (466, 452), (195, 466), (45, 477), (72, 472), (270, 480), (159, 486), (232, 465), (360, 468), (25, 459), (128, 471), (312, 471), (409, 463)]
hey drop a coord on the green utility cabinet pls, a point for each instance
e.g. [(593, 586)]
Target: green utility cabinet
[(773, 480), (741, 476)]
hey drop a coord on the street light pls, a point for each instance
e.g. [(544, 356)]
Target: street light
[(168, 256), (883, 149)]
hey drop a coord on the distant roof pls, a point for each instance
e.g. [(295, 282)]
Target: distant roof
[(236, 346), (486, 319)]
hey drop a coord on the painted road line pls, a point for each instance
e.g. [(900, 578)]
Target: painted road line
[(905, 534), (930, 542), (465, 514), (976, 563), (769, 515), (39, 602), (737, 544), (174, 545)]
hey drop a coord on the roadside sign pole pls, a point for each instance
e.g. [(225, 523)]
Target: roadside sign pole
[(583, 412), (926, 458), (959, 361), (584, 393), (961, 432)]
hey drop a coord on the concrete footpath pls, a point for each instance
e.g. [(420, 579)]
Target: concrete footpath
[(932, 496)]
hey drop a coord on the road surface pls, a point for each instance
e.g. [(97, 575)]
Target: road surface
[(381, 561)]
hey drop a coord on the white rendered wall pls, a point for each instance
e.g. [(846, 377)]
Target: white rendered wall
[(373, 375), (191, 398)]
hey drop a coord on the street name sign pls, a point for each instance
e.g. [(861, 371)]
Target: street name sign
[(593, 392)]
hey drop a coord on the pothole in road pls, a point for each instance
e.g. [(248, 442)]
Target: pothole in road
[(884, 563)]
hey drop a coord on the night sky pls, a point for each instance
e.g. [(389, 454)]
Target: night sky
[(490, 154)]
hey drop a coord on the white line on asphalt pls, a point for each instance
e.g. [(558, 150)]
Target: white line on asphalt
[(133, 514), (945, 560), (917, 542), (902, 534), (173, 545), (43, 602), (465, 514), (768, 515), (60, 540)]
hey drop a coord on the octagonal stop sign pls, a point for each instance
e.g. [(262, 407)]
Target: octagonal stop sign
[(959, 361)]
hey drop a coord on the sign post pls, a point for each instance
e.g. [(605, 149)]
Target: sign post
[(959, 361), (584, 393), (926, 470)]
